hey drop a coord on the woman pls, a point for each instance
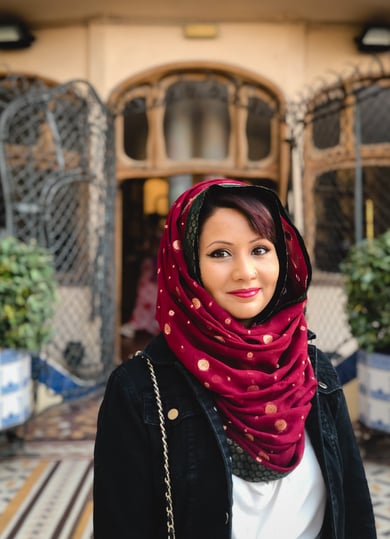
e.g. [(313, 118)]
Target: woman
[(253, 438)]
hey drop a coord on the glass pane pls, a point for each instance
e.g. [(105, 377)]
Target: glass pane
[(196, 121), (374, 103), (334, 199), (326, 124), (258, 129), (334, 203), (135, 131), (376, 187)]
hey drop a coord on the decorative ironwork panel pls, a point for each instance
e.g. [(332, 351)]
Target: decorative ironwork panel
[(342, 129), (57, 167)]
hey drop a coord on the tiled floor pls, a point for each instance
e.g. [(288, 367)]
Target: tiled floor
[(375, 449), (59, 444), (46, 474), (378, 476)]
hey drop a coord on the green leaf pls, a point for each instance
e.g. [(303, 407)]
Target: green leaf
[(27, 294)]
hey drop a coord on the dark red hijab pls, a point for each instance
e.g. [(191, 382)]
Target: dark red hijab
[(261, 376)]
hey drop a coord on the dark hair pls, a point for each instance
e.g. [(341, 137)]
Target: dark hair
[(257, 213)]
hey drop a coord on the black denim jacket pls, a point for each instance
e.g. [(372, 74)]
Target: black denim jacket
[(129, 487)]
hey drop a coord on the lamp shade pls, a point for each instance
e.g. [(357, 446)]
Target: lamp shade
[(14, 34), (374, 38)]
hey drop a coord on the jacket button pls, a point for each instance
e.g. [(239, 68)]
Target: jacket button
[(173, 413), (323, 385)]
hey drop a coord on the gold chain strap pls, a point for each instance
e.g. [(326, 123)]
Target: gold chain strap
[(167, 476)]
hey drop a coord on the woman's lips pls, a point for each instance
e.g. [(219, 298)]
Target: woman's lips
[(245, 292)]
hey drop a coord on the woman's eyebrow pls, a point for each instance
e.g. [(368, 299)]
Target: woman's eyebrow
[(226, 242)]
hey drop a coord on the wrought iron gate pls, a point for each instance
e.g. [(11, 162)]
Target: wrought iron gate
[(57, 168), (343, 131)]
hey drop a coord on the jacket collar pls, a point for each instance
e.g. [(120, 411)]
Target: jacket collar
[(159, 352)]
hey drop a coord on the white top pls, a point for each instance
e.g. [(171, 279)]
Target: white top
[(289, 508)]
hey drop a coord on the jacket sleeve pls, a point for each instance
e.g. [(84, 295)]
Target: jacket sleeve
[(344, 464), (359, 517), (123, 486)]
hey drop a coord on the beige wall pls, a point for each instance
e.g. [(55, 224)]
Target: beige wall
[(59, 54), (331, 52), (259, 48), (289, 55)]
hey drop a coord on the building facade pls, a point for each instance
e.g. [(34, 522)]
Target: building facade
[(249, 99)]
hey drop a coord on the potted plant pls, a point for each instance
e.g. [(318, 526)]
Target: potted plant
[(366, 272), (27, 296)]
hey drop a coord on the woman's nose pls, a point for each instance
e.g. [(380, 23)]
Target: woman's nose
[(244, 269)]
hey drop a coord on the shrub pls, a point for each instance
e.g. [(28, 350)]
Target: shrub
[(27, 294), (366, 272)]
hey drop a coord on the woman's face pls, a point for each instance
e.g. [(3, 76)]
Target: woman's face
[(238, 267)]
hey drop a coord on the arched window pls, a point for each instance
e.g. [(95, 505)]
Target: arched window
[(193, 121), (346, 183)]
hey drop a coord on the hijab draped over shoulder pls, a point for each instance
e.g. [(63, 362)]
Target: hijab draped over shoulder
[(260, 376)]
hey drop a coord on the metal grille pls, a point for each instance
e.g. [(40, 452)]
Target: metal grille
[(58, 179), (12, 86), (343, 131)]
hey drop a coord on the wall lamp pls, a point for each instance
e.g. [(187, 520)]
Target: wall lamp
[(374, 38), (14, 34)]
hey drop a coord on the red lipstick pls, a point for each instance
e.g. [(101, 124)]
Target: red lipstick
[(245, 292)]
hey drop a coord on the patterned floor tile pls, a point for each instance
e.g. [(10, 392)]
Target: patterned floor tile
[(13, 474), (54, 501), (378, 477), (73, 420)]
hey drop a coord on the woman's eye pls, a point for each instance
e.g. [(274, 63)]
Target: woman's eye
[(260, 250), (219, 253)]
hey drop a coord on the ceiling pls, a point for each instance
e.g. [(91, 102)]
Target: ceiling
[(40, 13)]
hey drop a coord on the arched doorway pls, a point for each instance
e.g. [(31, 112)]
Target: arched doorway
[(183, 123)]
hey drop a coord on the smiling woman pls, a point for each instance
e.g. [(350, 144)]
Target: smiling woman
[(229, 413)]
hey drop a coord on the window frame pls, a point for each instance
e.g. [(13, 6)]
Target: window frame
[(241, 85)]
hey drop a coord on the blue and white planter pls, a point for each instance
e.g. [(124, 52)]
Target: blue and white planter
[(15, 388), (374, 390)]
